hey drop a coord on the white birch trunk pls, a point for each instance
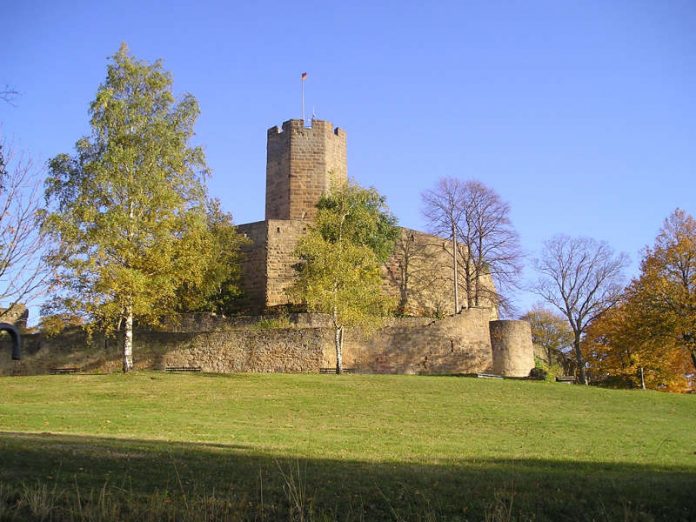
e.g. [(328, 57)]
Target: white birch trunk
[(454, 269), (128, 342), (339, 349)]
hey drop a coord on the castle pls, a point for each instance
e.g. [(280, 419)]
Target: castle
[(302, 163)]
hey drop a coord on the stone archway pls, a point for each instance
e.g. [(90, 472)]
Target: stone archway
[(16, 339)]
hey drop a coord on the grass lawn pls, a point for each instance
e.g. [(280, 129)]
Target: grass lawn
[(150, 446)]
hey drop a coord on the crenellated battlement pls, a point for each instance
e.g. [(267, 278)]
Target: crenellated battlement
[(299, 125)]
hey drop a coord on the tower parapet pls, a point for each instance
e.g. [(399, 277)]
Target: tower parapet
[(301, 164)]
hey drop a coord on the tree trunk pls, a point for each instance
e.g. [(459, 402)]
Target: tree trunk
[(454, 269), (128, 342), (581, 362), (693, 358), (339, 349), (403, 287)]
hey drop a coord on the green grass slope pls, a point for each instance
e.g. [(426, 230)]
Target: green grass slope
[(349, 447)]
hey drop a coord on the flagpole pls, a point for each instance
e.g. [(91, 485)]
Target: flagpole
[(303, 77)]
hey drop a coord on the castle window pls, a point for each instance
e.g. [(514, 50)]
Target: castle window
[(278, 230)]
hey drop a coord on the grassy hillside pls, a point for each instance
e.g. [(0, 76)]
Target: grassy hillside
[(349, 447)]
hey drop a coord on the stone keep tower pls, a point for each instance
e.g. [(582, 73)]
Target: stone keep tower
[(301, 164)]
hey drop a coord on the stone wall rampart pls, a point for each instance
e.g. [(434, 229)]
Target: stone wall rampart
[(253, 266), (452, 345), (458, 344)]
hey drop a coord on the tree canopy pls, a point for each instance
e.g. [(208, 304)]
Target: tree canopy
[(649, 337), (128, 209), (552, 332), (341, 260)]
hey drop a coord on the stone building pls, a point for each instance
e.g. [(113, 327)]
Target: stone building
[(302, 163)]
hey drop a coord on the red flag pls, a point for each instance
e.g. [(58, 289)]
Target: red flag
[(304, 76)]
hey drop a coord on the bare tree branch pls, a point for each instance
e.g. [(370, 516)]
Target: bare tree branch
[(8, 95), (582, 278), (23, 276), (488, 254)]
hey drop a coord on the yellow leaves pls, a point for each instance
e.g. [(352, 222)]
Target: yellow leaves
[(130, 218), (654, 328), (340, 269)]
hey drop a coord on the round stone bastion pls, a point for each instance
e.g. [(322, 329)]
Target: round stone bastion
[(511, 342)]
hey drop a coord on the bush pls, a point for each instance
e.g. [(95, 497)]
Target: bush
[(545, 372), (538, 374)]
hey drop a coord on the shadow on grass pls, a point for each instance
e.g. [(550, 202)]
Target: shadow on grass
[(268, 485)]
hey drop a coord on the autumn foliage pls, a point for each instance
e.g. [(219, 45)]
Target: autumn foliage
[(653, 328)]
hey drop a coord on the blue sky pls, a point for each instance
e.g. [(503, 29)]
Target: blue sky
[(580, 114)]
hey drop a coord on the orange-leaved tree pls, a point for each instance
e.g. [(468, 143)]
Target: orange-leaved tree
[(654, 327)]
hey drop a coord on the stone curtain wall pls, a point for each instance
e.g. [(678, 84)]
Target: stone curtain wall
[(458, 344), (455, 344), (283, 236), (253, 267), (419, 276), (267, 265), (300, 163), (240, 349)]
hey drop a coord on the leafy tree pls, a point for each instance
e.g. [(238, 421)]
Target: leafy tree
[(484, 243), (128, 209), (552, 332), (653, 331), (217, 290), (581, 278), (621, 348), (667, 285), (341, 260)]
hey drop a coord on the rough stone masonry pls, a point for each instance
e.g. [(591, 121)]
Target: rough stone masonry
[(302, 164)]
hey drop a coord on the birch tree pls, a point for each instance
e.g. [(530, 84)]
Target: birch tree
[(582, 279), (341, 261), (128, 208)]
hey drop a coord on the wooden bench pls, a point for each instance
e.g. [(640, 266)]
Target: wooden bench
[(566, 379), (59, 371), (183, 369), (333, 370), (478, 375), (489, 376)]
